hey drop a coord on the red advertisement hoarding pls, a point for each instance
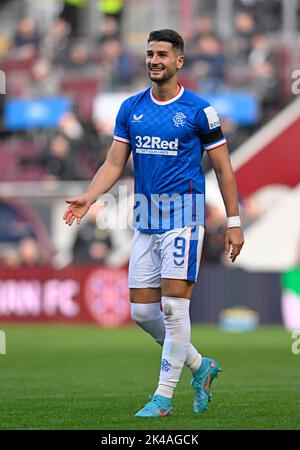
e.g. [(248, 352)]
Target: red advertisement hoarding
[(75, 294)]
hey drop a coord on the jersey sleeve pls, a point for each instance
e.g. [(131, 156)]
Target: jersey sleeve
[(209, 128), (121, 132)]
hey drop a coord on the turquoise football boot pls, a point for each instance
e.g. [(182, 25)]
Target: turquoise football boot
[(201, 383), (158, 406)]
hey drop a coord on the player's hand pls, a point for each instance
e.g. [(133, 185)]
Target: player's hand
[(234, 238), (78, 207)]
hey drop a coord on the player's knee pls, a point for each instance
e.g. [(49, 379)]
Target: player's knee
[(175, 310), (139, 313)]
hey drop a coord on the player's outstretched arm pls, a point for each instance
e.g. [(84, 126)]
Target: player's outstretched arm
[(104, 179), (227, 184)]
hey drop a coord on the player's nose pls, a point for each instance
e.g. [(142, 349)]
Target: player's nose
[(154, 60)]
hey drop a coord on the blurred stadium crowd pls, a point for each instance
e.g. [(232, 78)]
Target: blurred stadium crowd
[(59, 61)]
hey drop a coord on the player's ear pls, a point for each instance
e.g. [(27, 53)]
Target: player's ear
[(180, 61)]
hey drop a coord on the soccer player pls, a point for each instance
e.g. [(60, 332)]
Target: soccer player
[(167, 128)]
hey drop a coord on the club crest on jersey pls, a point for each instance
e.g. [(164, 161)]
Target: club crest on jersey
[(178, 119)]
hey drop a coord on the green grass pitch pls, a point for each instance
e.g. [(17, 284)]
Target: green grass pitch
[(80, 377)]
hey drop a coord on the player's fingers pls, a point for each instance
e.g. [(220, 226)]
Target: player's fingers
[(72, 220), (236, 249), (78, 220), (227, 245), (67, 212), (69, 217)]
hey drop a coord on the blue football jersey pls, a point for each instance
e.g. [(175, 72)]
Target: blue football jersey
[(167, 140)]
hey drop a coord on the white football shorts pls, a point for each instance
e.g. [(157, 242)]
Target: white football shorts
[(174, 254)]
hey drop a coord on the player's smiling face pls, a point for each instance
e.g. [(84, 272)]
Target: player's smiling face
[(162, 61)]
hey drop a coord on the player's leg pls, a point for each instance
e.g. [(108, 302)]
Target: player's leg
[(144, 284), (145, 293), (183, 289), (176, 344), (174, 292), (146, 313), (181, 250), (145, 306)]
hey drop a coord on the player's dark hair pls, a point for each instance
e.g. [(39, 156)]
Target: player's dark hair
[(167, 36)]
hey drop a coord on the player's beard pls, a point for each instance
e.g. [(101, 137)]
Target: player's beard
[(166, 76)]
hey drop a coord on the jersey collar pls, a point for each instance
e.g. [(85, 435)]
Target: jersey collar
[(167, 102)]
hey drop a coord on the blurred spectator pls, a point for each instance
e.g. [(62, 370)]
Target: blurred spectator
[(204, 26), (29, 252), (44, 80), (43, 12), (70, 126), (27, 34), (245, 29), (214, 235), (267, 88), (10, 258), (265, 69), (266, 13), (56, 42), (208, 63), (85, 141), (59, 160), (78, 60), (119, 65), (92, 244), (261, 51), (108, 29), (71, 14)]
